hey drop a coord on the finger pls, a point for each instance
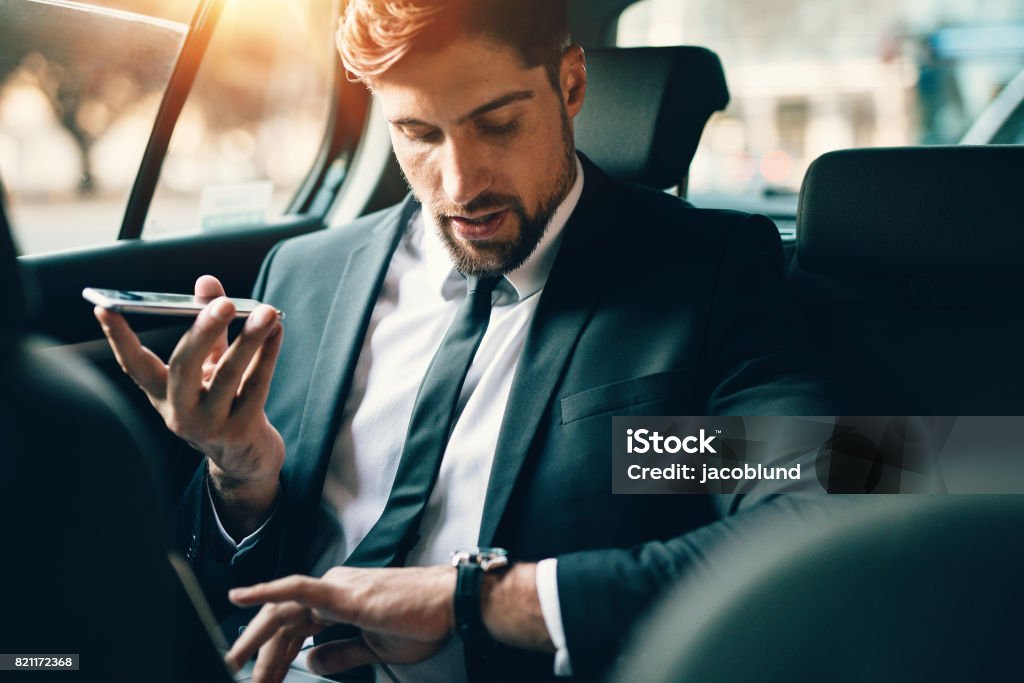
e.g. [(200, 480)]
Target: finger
[(138, 362), (208, 288), (256, 382), (263, 627), (258, 631), (185, 368), (303, 589), (340, 655), (276, 656), (227, 378)]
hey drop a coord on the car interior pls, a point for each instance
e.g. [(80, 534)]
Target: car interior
[(905, 261), (906, 267), (84, 485), (916, 588)]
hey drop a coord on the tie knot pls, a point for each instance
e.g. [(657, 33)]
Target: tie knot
[(482, 286)]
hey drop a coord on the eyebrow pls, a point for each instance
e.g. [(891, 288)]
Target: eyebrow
[(497, 103)]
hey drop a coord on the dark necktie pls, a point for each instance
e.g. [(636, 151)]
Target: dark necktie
[(433, 417)]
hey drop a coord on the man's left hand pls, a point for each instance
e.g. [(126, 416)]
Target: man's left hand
[(405, 616)]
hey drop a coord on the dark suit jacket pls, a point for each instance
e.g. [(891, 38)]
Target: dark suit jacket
[(652, 308)]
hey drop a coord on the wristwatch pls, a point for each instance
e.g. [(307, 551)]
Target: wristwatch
[(472, 564)]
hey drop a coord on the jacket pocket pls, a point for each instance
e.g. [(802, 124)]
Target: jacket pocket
[(630, 392)]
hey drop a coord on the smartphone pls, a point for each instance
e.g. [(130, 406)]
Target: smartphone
[(159, 303)]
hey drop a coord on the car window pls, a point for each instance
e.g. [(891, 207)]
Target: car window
[(254, 121), (79, 90), (811, 76), (1002, 122), (1012, 131), (80, 87)]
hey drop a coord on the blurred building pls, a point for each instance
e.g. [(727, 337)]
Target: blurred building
[(808, 77)]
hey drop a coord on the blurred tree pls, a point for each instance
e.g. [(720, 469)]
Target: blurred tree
[(96, 65), (91, 65)]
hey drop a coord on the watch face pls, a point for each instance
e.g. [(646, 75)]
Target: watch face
[(494, 561), (488, 558)]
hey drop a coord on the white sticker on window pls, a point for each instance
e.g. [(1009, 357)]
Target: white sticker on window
[(228, 206)]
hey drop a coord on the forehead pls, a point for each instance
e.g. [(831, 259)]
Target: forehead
[(447, 82)]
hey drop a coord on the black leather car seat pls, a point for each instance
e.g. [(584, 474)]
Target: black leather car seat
[(910, 267), (909, 588), (646, 109), (85, 568)]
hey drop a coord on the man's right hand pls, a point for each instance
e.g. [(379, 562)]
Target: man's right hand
[(212, 395)]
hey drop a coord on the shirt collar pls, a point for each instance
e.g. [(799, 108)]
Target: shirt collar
[(526, 280)]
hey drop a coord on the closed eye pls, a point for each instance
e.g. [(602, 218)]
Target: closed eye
[(500, 130), (428, 135)]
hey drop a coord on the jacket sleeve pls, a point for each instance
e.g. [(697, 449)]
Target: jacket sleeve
[(757, 362)]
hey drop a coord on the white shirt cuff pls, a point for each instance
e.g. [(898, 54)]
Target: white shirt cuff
[(246, 543), (551, 609)]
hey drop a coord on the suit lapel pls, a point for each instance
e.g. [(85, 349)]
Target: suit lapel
[(347, 321), (573, 289)]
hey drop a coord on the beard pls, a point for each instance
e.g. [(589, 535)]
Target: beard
[(486, 258)]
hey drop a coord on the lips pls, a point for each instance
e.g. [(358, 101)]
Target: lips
[(480, 227)]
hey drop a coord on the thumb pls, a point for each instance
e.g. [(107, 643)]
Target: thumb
[(340, 655), (208, 288)]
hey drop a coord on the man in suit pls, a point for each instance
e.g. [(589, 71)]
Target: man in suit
[(450, 372)]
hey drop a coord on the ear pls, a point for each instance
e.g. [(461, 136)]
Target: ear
[(573, 77)]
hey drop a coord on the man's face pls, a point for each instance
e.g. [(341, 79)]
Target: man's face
[(486, 145)]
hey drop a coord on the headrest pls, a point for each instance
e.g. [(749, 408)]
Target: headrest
[(10, 278), (920, 212), (646, 108)]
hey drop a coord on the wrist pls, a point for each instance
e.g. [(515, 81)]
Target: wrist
[(242, 506), (235, 492), (498, 602), (511, 609), (471, 566), (248, 471), (242, 513)]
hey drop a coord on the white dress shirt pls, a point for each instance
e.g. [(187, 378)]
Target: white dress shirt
[(416, 305)]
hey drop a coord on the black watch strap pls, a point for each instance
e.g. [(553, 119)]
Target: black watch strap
[(469, 620)]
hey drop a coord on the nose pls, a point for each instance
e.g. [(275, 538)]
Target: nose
[(465, 172)]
